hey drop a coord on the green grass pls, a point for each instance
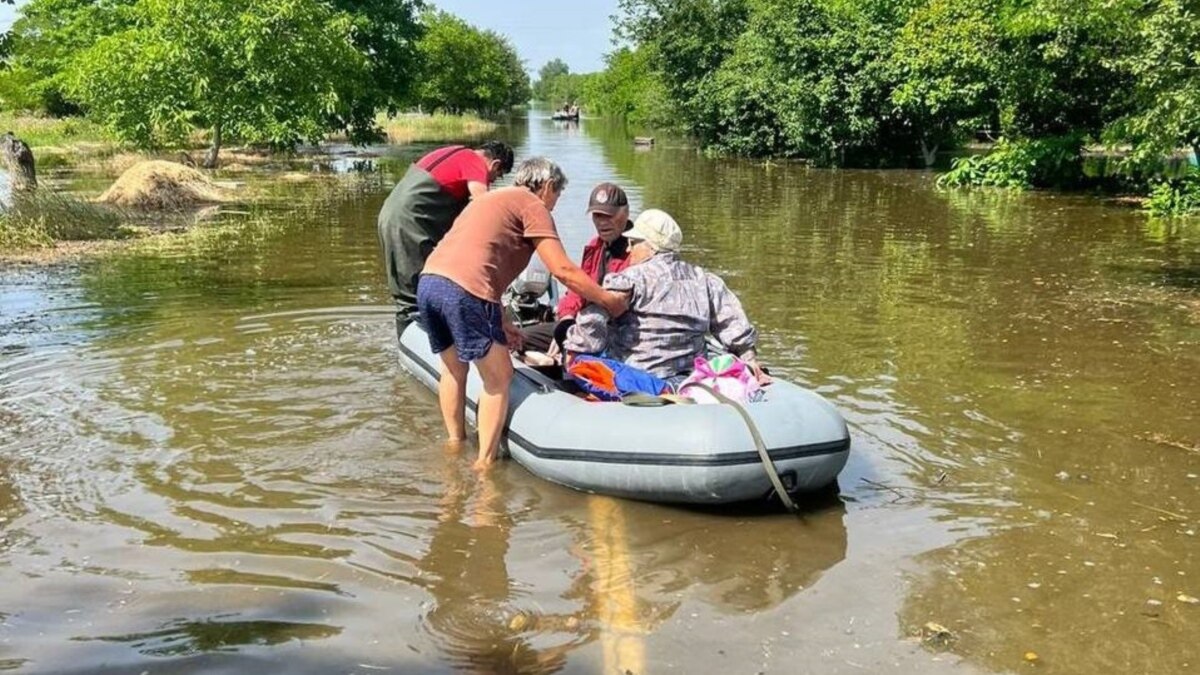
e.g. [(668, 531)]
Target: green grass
[(41, 132), (18, 233), (434, 128), (42, 219)]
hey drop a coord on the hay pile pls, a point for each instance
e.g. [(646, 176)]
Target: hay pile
[(159, 185)]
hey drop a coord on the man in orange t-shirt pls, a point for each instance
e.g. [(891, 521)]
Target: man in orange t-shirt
[(459, 291)]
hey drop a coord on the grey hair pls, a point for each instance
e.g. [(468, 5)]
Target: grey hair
[(535, 172)]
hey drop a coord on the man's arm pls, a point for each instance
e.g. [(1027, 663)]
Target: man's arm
[(476, 189), (554, 257), (589, 334), (727, 320)]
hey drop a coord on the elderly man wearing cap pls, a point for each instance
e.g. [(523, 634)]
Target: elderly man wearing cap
[(607, 253), (673, 307)]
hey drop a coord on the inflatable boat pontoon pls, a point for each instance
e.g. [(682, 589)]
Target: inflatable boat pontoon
[(691, 454)]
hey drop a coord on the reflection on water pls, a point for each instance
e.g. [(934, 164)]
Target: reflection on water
[(210, 461), (182, 638), (473, 618)]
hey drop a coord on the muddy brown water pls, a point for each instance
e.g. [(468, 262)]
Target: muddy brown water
[(211, 462)]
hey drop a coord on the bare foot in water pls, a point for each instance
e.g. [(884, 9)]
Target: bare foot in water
[(484, 463)]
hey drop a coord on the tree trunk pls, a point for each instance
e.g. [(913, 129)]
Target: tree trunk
[(928, 154), (210, 162), (1196, 152), (18, 159)]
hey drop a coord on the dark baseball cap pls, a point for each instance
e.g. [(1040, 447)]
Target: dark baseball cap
[(607, 198)]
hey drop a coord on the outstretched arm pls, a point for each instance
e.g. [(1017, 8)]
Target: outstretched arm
[(554, 257)]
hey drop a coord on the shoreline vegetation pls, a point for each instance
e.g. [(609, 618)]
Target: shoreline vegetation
[(884, 84), (49, 225), (907, 83)]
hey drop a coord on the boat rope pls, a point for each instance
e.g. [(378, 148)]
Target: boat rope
[(768, 463)]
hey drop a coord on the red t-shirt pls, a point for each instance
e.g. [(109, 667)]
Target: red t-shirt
[(593, 254), (453, 167)]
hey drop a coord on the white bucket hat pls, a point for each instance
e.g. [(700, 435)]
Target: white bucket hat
[(658, 229)]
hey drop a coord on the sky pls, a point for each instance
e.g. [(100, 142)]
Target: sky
[(6, 16), (577, 31)]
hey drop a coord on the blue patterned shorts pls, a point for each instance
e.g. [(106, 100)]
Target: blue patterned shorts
[(454, 318)]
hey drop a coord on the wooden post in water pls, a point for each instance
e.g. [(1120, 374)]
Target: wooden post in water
[(18, 159)]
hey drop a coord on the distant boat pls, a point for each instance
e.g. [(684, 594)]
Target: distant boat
[(565, 116), (643, 140)]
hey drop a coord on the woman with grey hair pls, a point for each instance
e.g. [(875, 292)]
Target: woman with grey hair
[(458, 295)]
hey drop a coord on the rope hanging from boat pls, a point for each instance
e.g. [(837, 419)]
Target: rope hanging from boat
[(768, 463)]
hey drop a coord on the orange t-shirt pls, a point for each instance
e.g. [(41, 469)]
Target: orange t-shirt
[(492, 241)]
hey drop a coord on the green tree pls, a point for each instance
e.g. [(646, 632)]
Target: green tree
[(254, 70), (467, 69), (630, 88), (385, 32), (690, 38), (44, 39), (556, 84), (49, 34), (547, 75), (1165, 65), (1059, 66), (945, 70)]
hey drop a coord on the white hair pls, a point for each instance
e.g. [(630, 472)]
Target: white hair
[(535, 172)]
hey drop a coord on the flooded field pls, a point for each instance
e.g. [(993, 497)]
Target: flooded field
[(210, 460)]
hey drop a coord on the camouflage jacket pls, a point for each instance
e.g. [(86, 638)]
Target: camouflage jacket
[(673, 305)]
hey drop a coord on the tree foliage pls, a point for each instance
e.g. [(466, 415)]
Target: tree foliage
[(630, 88), (385, 32), (557, 85), (1165, 68), (256, 70), (944, 72), (467, 69), (886, 81), (45, 38), (50, 34)]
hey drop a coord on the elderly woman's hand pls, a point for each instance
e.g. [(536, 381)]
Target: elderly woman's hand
[(759, 374)]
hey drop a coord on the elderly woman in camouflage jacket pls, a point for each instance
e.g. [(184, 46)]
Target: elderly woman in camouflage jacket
[(673, 307)]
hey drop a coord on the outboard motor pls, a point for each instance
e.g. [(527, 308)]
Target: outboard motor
[(524, 297)]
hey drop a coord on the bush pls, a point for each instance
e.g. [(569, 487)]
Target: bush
[(1176, 196), (1055, 162)]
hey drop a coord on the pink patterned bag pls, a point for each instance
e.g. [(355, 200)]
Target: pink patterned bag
[(726, 374)]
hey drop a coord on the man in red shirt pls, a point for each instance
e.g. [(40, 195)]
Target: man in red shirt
[(423, 206), (606, 253)]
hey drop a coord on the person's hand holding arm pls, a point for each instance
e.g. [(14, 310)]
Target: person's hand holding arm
[(554, 257), (750, 357)]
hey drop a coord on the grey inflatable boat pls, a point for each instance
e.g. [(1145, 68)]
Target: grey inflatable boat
[(689, 454)]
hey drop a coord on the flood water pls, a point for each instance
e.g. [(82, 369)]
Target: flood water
[(210, 460)]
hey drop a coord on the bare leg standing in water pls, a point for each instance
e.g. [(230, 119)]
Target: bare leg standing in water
[(452, 394), (496, 371)]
